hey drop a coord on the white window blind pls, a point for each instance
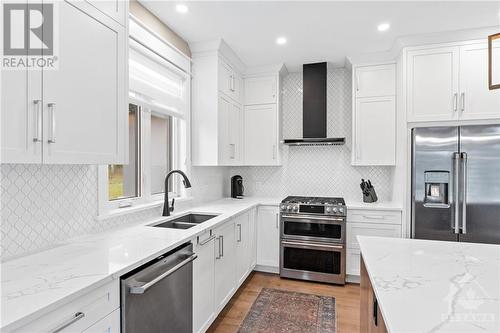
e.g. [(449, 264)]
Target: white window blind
[(157, 83)]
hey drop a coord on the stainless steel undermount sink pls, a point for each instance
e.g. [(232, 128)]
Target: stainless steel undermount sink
[(186, 221)]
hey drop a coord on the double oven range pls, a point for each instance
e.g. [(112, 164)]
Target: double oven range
[(312, 239)]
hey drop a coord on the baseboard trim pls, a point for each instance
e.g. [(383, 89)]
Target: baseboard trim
[(267, 269)]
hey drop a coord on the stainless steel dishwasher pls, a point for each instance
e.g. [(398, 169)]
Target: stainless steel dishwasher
[(158, 296)]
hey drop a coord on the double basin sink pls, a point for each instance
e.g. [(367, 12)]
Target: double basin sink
[(186, 221)]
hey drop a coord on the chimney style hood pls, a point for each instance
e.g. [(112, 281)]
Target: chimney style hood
[(314, 108)]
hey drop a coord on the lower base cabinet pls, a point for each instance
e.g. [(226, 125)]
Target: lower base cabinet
[(203, 282), (108, 324), (371, 320), (225, 277), (268, 238), (226, 255)]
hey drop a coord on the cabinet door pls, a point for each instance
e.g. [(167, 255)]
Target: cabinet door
[(371, 81), (476, 100), (268, 237), (22, 113), (85, 98), (261, 135), (243, 247), (432, 91), (252, 226), (225, 277), (375, 131), (225, 79), (237, 87), (230, 125), (203, 283), (116, 9), (260, 90)]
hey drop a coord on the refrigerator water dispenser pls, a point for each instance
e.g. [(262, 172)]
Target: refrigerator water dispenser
[(436, 189)]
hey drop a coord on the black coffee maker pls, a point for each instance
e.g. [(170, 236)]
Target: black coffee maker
[(237, 188)]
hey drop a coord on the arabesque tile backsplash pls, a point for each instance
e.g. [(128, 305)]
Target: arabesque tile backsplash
[(42, 205)]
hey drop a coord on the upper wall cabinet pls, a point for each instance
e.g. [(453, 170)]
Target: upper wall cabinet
[(77, 112), (373, 81), (116, 9), (235, 112), (450, 82), (374, 115), (217, 127)]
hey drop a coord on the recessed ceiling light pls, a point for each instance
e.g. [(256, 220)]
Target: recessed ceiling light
[(383, 26), (181, 8), (281, 40)]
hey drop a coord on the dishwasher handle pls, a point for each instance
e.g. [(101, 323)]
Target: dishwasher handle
[(142, 289)]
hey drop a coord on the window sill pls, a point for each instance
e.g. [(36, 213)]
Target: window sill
[(137, 208)]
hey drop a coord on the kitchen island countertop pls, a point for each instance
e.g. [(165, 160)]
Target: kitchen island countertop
[(434, 286)]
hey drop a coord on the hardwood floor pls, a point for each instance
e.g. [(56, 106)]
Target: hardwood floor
[(346, 301)]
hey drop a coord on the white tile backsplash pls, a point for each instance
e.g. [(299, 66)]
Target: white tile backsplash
[(317, 170), (44, 205)]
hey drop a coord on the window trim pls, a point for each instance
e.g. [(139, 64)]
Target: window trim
[(145, 199)]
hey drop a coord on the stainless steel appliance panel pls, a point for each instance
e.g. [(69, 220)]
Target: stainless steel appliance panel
[(435, 156), (313, 228), (313, 261), (159, 297), (480, 192)]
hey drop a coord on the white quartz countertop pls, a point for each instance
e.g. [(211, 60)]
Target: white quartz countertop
[(37, 284), (434, 286)]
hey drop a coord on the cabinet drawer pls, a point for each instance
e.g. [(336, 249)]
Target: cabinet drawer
[(352, 262), (109, 324), (370, 229), (94, 306), (374, 216)]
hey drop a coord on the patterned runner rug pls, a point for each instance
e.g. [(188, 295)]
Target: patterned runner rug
[(276, 311)]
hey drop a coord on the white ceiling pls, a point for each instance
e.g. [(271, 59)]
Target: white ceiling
[(317, 31)]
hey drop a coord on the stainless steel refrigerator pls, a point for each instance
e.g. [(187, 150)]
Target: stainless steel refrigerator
[(456, 183)]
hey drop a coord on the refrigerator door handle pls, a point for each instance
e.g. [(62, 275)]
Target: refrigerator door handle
[(464, 193), (456, 192)]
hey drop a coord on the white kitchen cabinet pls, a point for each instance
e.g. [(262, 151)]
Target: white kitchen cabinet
[(374, 115), (217, 121), (261, 134), (366, 222), (268, 238), (432, 84), (450, 82), (260, 90), (225, 265), (22, 112), (116, 9), (81, 314), (108, 324), (243, 247), (375, 131), (476, 100), (252, 222), (373, 81), (81, 117), (204, 282)]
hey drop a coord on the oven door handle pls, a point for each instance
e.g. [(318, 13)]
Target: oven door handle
[(304, 217), (313, 245)]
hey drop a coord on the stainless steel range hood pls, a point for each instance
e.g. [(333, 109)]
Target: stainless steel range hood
[(314, 108)]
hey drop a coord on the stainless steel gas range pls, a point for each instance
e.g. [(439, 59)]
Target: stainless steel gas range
[(312, 239)]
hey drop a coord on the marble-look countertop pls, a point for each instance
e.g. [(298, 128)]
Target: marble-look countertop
[(434, 286), (36, 284)]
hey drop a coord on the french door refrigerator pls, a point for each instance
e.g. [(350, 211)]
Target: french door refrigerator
[(456, 183)]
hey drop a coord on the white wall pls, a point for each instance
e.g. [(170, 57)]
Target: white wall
[(317, 170)]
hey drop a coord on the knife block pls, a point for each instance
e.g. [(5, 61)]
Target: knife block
[(371, 196)]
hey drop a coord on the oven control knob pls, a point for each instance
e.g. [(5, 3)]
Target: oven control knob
[(328, 209), (295, 208), (335, 209), (341, 210), (283, 207), (288, 207)]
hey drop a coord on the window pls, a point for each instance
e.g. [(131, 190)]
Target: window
[(158, 112)]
